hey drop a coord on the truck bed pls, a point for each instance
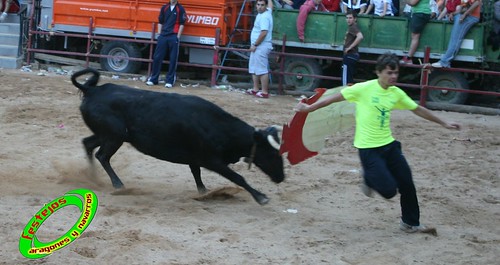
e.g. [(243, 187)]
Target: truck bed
[(326, 31), (135, 18)]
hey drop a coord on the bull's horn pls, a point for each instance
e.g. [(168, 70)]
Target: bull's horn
[(273, 142), (277, 127)]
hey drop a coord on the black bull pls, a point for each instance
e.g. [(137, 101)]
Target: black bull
[(176, 128)]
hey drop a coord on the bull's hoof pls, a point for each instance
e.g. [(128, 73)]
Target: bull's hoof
[(262, 199), (202, 191), (118, 186)]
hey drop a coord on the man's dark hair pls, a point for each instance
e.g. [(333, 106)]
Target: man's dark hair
[(387, 59), (265, 1), (351, 12)]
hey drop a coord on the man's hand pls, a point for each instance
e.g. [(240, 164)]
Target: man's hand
[(452, 126), (301, 107)]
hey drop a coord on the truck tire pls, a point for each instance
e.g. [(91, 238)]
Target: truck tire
[(451, 80), (120, 65), (301, 66)]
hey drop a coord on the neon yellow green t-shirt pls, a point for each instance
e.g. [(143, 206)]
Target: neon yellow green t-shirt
[(373, 111)]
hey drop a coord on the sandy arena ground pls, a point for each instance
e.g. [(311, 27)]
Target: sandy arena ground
[(158, 222)]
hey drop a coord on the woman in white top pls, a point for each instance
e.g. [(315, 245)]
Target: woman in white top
[(358, 6), (382, 8)]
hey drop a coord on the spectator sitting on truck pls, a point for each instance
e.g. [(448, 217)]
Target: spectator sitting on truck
[(420, 15), (358, 6), (451, 7), (285, 4), (288, 4), (352, 39), (261, 46), (172, 18), (332, 5), (305, 9), (382, 8), (463, 22), (3, 14)]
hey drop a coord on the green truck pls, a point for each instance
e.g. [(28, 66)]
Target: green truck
[(324, 36)]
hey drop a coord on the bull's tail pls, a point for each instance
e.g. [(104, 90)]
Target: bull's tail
[(91, 81)]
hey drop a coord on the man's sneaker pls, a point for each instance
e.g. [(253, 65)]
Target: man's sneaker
[(150, 83), (406, 60), (419, 228), (262, 95), (366, 190), (3, 16), (251, 92), (437, 65), (168, 85)]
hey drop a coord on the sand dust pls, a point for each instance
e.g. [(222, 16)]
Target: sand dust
[(316, 216)]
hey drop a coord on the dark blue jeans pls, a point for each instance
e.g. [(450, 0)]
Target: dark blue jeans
[(166, 44), (387, 172), (349, 68)]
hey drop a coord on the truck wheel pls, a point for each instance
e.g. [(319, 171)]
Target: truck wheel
[(300, 66), (120, 65), (451, 80)]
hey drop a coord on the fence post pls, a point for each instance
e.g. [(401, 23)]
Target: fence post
[(424, 79), (215, 60), (282, 65)]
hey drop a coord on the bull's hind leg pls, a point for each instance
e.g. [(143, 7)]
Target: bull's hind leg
[(90, 143), (197, 178), (240, 181), (104, 154)]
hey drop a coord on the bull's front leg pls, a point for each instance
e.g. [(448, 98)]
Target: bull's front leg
[(240, 181)]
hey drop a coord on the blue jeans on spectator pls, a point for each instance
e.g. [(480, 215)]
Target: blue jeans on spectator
[(458, 33), (349, 68), (166, 44)]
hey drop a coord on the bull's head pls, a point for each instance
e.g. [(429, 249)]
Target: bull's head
[(266, 153)]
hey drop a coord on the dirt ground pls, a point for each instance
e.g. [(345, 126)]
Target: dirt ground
[(318, 215)]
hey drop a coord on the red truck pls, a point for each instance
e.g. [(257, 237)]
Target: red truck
[(135, 19)]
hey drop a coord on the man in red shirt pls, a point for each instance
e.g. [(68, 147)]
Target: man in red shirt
[(332, 5)]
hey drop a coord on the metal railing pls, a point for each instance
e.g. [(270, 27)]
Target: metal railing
[(423, 86)]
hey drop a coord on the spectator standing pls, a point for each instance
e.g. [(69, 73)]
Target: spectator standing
[(496, 22), (462, 23), (3, 14), (332, 5), (381, 8), (420, 15), (494, 36), (305, 9), (385, 168), (352, 39), (261, 46), (433, 5), (172, 18)]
